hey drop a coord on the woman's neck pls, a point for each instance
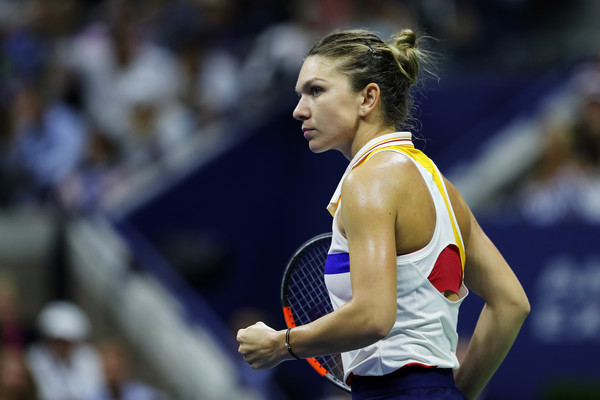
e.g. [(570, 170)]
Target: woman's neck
[(365, 136)]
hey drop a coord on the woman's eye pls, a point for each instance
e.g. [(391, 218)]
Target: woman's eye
[(316, 91)]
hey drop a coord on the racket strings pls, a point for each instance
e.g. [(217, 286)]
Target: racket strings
[(307, 293), (309, 299)]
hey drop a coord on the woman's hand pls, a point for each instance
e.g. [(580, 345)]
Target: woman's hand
[(262, 346)]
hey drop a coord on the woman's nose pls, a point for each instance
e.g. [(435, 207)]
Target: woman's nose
[(301, 112)]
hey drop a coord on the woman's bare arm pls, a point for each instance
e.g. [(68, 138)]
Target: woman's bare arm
[(506, 305), (369, 215)]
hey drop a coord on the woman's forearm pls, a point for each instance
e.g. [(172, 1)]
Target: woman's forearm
[(348, 328), (493, 337)]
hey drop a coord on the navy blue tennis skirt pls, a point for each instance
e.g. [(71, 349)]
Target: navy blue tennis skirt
[(409, 383)]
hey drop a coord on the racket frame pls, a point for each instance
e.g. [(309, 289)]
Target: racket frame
[(287, 309)]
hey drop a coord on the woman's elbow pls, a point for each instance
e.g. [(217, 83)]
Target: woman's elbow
[(381, 331), (374, 320), (520, 307), (374, 326), (380, 326), (525, 308), (513, 308)]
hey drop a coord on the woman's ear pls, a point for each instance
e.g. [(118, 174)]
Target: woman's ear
[(370, 98)]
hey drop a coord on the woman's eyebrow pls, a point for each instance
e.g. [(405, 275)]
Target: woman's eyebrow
[(307, 84)]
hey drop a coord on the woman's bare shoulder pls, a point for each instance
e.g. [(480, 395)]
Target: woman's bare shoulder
[(394, 170)]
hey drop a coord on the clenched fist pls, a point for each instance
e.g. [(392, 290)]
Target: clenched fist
[(262, 346)]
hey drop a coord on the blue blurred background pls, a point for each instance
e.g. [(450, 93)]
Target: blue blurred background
[(151, 172)]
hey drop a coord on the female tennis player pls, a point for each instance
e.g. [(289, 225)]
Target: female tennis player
[(405, 245)]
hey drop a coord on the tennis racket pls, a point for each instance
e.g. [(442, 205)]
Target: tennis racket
[(304, 298)]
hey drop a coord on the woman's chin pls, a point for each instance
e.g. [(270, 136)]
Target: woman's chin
[(315, 148)]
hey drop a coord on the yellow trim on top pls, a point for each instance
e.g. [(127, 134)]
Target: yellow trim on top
[(428, 164)]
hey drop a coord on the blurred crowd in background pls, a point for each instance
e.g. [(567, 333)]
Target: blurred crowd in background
[(91, 92), (94, 91), (54, 357), (563, 184)]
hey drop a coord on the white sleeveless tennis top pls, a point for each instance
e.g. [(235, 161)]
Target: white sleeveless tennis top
[(425, 329)]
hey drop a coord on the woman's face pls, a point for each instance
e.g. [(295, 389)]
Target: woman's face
[(328, 108)]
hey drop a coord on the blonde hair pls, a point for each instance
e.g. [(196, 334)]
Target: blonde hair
[(393, 65)]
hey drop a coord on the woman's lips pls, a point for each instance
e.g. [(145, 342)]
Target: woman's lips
[(307, 132)]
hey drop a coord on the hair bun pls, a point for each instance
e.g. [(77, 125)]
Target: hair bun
[(406, 38), (404, 47)]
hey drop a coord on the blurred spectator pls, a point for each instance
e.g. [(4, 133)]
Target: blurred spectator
[(130, 85), (549, 193), (586, 138), (211, 86), (31, 31), (47, 144), (25, 49), (276, 54), (586, 128), (119, 381), (204, 38), (12, 326), (15, 379), (564, 184), (87, 188), (62, 364)]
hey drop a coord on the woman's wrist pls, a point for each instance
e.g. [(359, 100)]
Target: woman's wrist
[(288, 345)]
